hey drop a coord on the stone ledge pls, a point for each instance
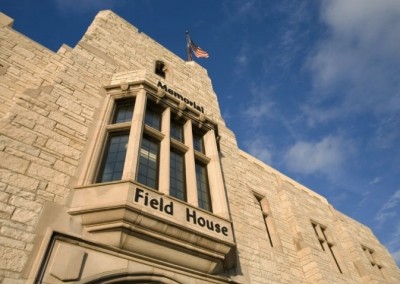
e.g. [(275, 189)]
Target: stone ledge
[(6, 21), (135, 219)]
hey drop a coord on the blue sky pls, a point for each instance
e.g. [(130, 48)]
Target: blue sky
[(310, 87)]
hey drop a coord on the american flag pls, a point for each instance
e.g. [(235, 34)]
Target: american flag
[(197, 50)]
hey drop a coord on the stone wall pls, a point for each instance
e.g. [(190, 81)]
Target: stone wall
[(48, 105), (296, 255)]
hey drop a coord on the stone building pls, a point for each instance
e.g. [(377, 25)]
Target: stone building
[(117, 167)]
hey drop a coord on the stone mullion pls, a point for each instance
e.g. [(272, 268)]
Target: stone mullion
[(165, 149), (191, 186), (132, 153), (217, 188)]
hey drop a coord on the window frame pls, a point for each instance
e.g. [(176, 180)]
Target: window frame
[(105, 156), (172, 191), (179, 123), (111, 128), (144, 93), (266, 216), (198, 141), (154, 140), (208, 200), (156, 115), (119, 103), (327, 244)]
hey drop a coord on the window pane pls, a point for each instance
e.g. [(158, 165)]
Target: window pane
[(114, 158), (203, 190), (198, 143), (177, 176), (148, 163), (123, 111), (153, 118), (176, 131)]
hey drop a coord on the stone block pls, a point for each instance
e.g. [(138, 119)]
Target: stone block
[(65, 167), (13, 163), (25, 216), (18, 180), (63, 149), (8, 209), (21, 50), (11, 243), (25, 203), (17, 234), (59, 117), (12, 259), (48, 174), (4, 196), (6, 20)]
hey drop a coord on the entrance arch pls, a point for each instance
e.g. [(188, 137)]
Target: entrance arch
[(142, 278)]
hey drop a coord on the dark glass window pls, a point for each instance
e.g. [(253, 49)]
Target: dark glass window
[(177, 175), (203, 190), (153, 117), (177, 130), (198, 143), (148, 162), (123, 111), (114, 157)]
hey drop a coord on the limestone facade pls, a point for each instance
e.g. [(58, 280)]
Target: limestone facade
[(61, 223)]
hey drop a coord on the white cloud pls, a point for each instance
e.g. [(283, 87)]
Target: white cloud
[(241, 10), (366, 198), (325, 156), (390, 209), (258, 147), (261, 106), (356, 64), (365, 21), (247, 7), (394, 245), (375, 180), (256, 113), (396, 255), (83, 6), (386, 131), (242, 60)]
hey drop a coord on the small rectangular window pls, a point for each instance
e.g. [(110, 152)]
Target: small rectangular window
[(148, 162), (177, 175), (123, 111), (320, 240), (160, 68), (198, 143), (114, 157), (265, 218), (153, 117), (176, 130), (203, 189), (326, 243), (371, 257)]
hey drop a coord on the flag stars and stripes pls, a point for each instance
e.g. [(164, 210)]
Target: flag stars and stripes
[(198, 51), (193, 48)]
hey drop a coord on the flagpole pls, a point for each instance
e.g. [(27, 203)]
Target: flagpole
[(189, 54)]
